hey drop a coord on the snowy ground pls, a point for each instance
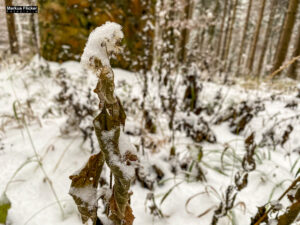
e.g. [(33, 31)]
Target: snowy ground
[(25, 92)]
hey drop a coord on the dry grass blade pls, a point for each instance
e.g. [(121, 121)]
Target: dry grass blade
[(206, 211), (191, 198), (23, 120), (64, 152), (169, 192)]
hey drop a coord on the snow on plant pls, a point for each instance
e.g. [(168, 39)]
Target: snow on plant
[(240, 181), (79, 106), (282, 216), (102, 43), (115, 150)]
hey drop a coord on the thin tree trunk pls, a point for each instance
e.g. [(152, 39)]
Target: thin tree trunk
[(292, 72), (267, 36), (186, 31), (12, 35), (226, 32), (244, 33), (34, 34), (212, 28), (280, 32), (35, 43), (286, 34), (256, 37), (222, 28), (227, 49)]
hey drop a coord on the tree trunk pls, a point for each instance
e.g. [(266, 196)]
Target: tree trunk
[(286, 34), (283, 9), (292, 72), (34, 30), (12, 35), (168, 58), (34, 34), (267, 36), (211, 28), (244, 33), (256, 37), (186, 31), (227, 48), (222, 28), (226, 32)]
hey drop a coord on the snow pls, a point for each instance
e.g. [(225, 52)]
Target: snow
[(89, 222), (100, 42), (125, 144), (127, 170), (87, 194), (33, 201)]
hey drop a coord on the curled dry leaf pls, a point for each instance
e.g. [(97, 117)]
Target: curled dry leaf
[(84, 187)]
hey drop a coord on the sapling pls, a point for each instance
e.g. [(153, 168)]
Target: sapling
[(115, 149)]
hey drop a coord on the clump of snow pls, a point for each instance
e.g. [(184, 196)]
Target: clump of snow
[(89, 222), (125, 145), (106, 135), (106, 192), (276, 205), (87, 194), (114, 159), (101, 42), (273, 222), (128, 171)]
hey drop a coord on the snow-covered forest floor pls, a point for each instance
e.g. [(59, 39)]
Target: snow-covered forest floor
[(46, 112)]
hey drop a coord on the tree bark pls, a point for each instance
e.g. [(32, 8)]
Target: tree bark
[(186, 31), (267, 36), (34, 34), (286, 34), (292, 72), (227, 48), (244, 33), (226, 32), (211, 28), (222, 28), (256, 37), (12, 35), (283, 9)]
